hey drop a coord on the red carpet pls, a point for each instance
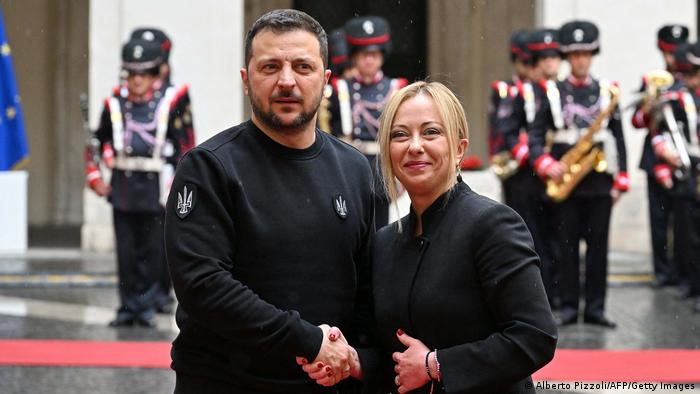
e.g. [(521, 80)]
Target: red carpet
[(623, 365), (58, 353), (568, 365)]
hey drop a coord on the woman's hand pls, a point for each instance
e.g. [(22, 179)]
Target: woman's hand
[(410, 365), (323, 374)]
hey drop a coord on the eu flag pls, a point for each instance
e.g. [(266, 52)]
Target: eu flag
[(14, 151)]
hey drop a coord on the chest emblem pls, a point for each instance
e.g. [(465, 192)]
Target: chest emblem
[(340, 206), (185, 201)]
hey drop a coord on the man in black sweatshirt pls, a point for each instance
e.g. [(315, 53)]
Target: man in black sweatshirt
[(267, 227)]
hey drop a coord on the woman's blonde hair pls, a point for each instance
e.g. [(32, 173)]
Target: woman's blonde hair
[(451, 112)]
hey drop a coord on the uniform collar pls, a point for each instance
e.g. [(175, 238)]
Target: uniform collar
[(377, 77), (580, 83), (148, 96)]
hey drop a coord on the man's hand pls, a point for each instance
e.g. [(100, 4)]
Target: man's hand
[(101, 189), (666, 183), (333, 362), (556, 171), (410, 364), (672, 158), (615, 194)]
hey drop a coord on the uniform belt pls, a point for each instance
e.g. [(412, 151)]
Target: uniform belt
[(135, 163), (571, 136), (567, 136), (693, 150), (366, 147)]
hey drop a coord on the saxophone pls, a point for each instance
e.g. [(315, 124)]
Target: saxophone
[(504, 165), (582, 157)]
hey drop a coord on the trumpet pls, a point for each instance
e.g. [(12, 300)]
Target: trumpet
[(677, 141), (657, 82)]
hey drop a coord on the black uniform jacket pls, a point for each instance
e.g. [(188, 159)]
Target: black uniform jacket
[(580, 107), (686, 188), (469, 287), (139, 191)]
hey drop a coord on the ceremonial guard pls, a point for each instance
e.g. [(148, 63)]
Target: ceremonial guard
[(183, 106), (585, 170), (669, 37), (182, 119), (523, 191), (137, 135), (507, 130), (672, 119), (358, 101), (341, 68)]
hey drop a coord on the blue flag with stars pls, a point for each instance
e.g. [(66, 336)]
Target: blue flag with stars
[(14, 151)]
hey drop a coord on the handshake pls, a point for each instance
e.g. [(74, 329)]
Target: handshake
[(336, 360)]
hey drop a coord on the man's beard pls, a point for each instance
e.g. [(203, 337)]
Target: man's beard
[(273, 121)]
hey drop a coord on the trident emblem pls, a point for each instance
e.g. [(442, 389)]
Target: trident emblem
[(340, 206), (184, 202)]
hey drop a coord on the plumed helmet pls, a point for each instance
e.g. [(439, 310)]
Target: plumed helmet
[(368, 33), (141, 55), (692, 55), (670, 36), (518, 46), (579, 36), (156, 35), (338, 52), (543, 43)]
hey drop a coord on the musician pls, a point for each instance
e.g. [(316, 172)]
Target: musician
[(508, 149), (182, 119), (524, 191), (676, 164), (341, 68), (575, 104), (140, 129), (358, 101), (669, 37)]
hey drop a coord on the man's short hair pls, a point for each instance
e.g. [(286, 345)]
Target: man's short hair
[(283, 21)]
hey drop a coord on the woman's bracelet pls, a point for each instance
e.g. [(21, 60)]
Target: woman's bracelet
[(427, 366), (437, 363)]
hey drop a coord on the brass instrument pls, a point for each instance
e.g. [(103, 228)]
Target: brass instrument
[(661, 112), (324, 114), (657, 81), (504, 165), (675, 137), (92, 142), (582, 157)]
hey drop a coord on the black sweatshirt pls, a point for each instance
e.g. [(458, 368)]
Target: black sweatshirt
[(272, 243)]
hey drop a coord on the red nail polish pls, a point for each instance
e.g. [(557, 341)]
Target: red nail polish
[(399, 331), (328, 369), (319, 365)]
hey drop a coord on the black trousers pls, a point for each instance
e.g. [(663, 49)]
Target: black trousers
[(686, 233), (586, 218), (524, 192), (693, 214), (139, 244), (660, 214)]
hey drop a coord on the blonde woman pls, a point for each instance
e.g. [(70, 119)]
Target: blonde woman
[(459, 301)]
